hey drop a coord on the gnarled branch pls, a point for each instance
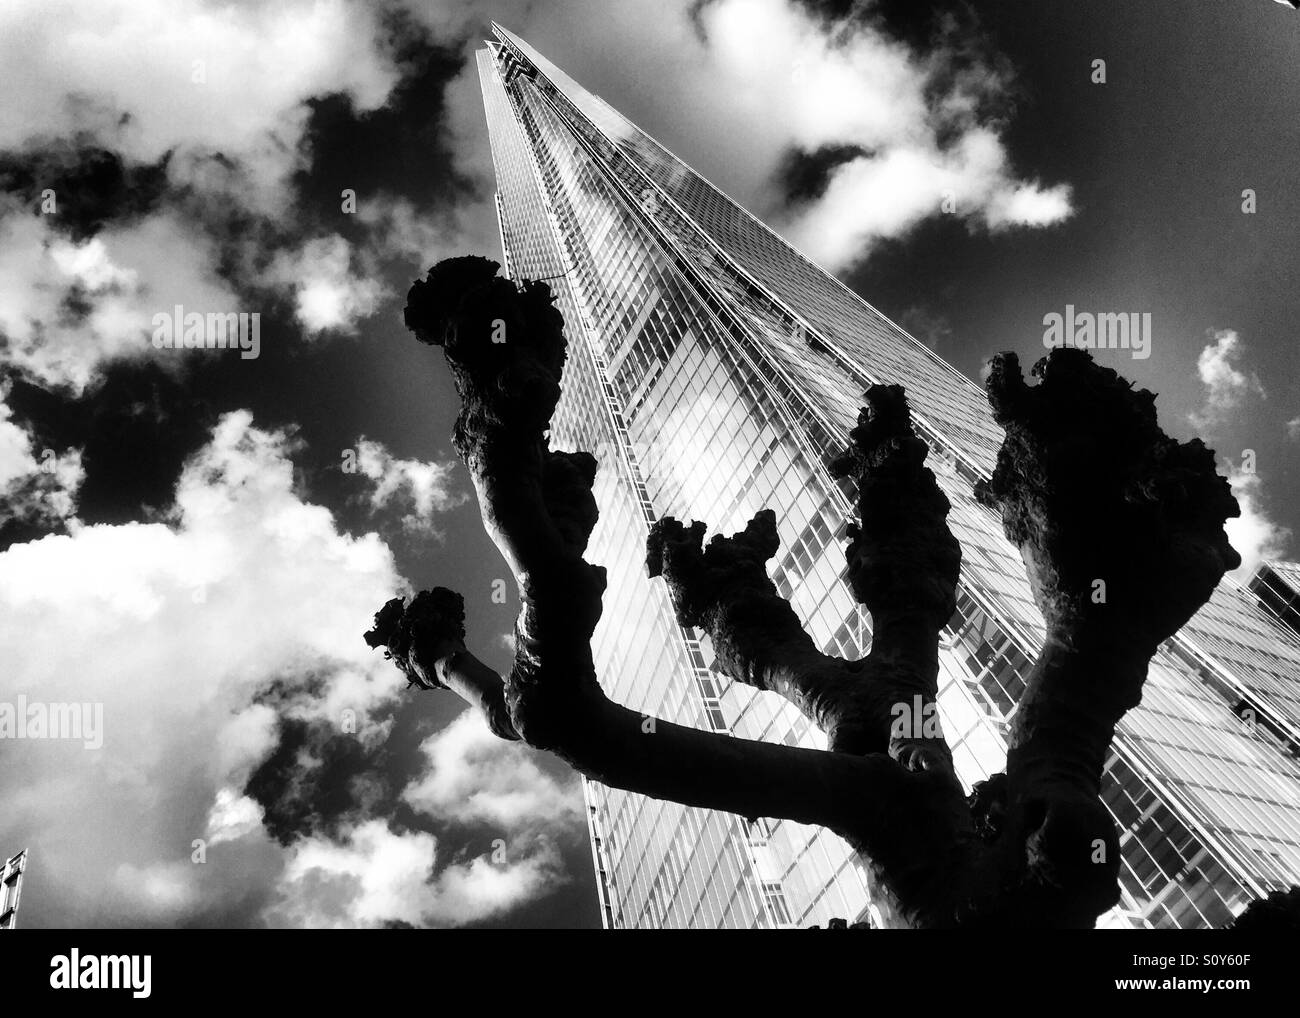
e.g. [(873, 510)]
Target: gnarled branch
[(1121, 531), (903, 565), (538, 508), (1116, 501)]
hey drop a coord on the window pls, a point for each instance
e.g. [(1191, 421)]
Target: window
[(774, 897)]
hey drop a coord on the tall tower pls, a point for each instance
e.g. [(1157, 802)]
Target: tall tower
[(713, 370), (11, 882)]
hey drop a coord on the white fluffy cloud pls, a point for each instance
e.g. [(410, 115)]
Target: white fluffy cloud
[(177, 628), (221, 89), (373, 875), (770, 77), (16, 458), (852, 85), (376, 875), (328, 293), (1227, 386), (1253, 534), (198, 78), (885, 195), (425, 487), (474, 776), (120, 278)]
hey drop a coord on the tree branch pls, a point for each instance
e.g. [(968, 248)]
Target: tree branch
[(621, 748), (903, 564), (724, 590), (1089, 489), (538, 507), (426, 640), (1121, 531)]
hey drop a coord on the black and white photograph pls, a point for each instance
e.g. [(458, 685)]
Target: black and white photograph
[(533, 469)]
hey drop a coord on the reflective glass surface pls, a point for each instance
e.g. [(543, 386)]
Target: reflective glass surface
[(714, 371)]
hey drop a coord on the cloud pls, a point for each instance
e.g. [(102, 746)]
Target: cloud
[(1253, 534), (763, 78), (1293, 429), (1226, 385), (73, 306), (376, 876), (214, 84), (328, 294), (36, 485), (209, 639), (419, 237), (231, 817), (423, 486), (928, 143), (172, 133), (177, 629), (480, 888), (473, 776)]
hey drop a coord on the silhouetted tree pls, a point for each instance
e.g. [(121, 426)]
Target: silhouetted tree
[(1088, 488)]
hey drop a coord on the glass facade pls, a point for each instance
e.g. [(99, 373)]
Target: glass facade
[(11, 882), (714, 371)]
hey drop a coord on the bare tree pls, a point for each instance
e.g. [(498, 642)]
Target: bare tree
[(1089, 489)]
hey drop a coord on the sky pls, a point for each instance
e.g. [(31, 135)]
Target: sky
[(195, 541)]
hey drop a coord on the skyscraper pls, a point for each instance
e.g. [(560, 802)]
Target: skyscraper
[(714, 370), (11, 883)]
